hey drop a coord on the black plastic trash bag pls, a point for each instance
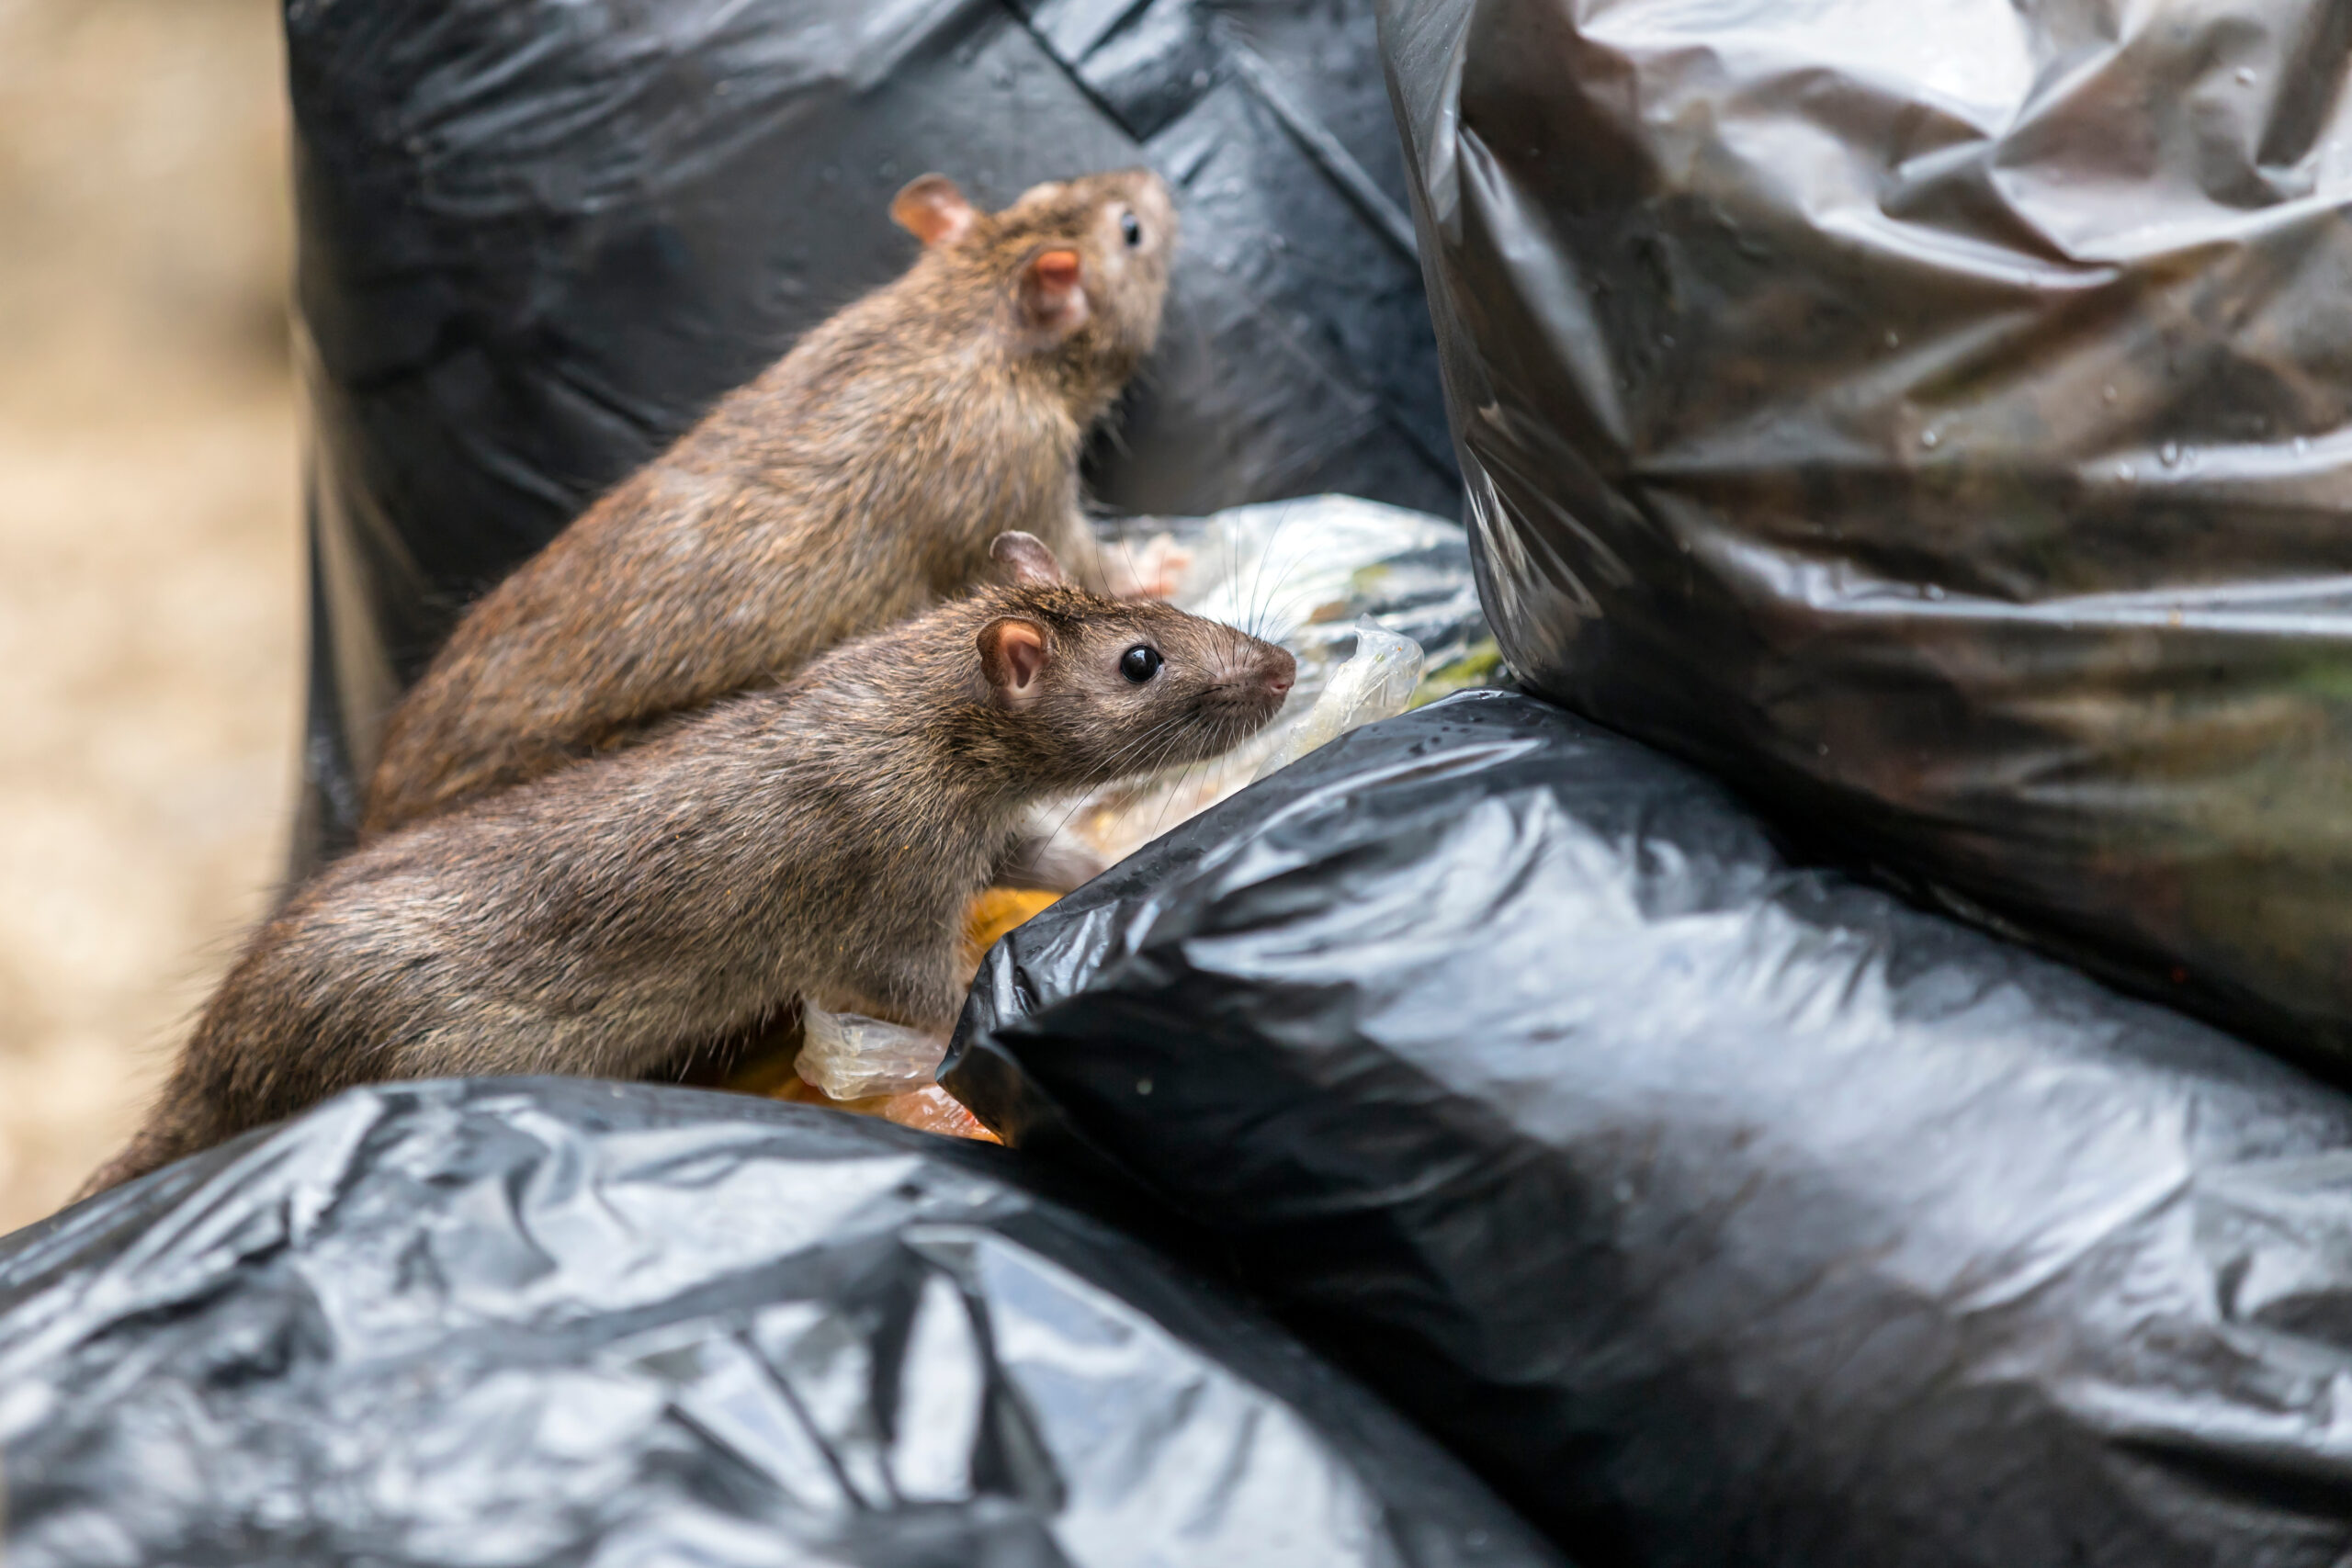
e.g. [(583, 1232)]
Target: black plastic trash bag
[(540, 237), (1940, 417), (1717, 1210), (544, 1322)]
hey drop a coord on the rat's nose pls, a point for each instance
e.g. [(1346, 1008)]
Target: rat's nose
[(1279, 672)]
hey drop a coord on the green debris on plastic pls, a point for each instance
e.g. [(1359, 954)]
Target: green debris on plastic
[(1476, 666)]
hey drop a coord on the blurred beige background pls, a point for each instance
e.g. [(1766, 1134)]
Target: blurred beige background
[(150, 580)]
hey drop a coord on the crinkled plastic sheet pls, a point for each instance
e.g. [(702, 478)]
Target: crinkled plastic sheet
[(550, 1322), (539, 238), (1718, 1210), (1377, 603), (1941, 415)]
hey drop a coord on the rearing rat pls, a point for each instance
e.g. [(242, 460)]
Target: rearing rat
[(855, 481), (820, 840)]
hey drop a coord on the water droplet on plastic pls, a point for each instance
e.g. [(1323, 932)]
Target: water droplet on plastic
[(1935, 591), (2108, 393), (2245, 75), (1825, 748), (1142, 1085), (2123, 473), (2170, 454), (1928, 438), (1894, 338), (2302, 445)]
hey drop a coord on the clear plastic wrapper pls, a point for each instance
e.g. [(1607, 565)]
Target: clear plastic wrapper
[(1377, 603), (850, 1057), (1376, 682), (1306, 573)]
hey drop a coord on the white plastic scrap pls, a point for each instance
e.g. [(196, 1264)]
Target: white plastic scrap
[(850, 1057), (1289, 565), (1297, 571), (1376, 683)]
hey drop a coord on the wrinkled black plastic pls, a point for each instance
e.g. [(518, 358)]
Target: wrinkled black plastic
[(1941, 416), (1718, 1210), (539, 237), (550, 1322)]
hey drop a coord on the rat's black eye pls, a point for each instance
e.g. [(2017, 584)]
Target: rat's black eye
[(1140, 663), (1130, 230)]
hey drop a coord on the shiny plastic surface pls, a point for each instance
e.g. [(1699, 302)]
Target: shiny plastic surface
[(1716, 1210), (1939, 415), (539, 237), (548, 1322)]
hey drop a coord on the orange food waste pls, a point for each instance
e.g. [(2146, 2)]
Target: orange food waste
[(930, 1109)]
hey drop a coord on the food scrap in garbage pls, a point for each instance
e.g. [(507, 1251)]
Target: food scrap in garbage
[(997, 911), (930, 1109)]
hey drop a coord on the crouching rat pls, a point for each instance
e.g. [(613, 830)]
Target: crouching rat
[(820, 840), (855, 481)]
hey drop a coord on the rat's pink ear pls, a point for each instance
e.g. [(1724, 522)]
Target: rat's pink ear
[(1013, 657), (1026, 553), (931, 209), (1052, 294)]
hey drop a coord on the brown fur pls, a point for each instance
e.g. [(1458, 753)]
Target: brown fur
[(820, 840), (856, 481)]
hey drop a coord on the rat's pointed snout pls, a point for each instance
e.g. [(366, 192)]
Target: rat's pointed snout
[(1278, 671)]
